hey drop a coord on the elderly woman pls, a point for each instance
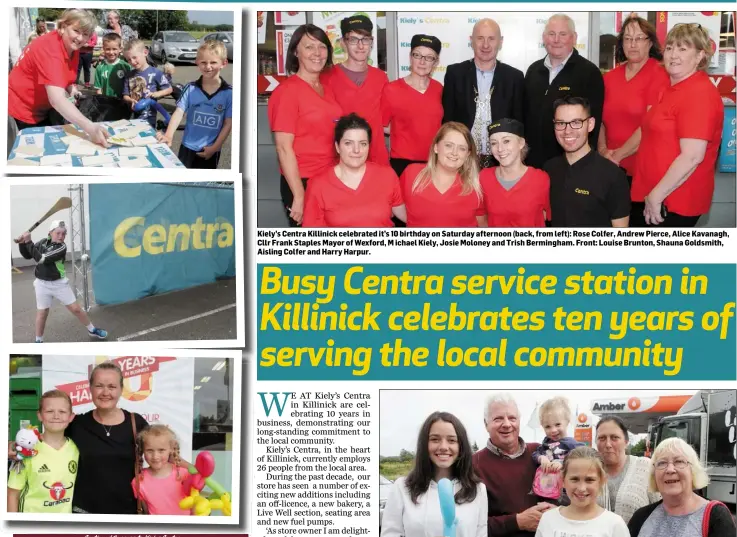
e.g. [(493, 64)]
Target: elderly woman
[(627, 475), (355, 193), (515, 195), (413, 106), (302, 116), (674, 177), (630, 89), (114, 26), (44, 77), (105, 438), (676, 472), (445, 192)]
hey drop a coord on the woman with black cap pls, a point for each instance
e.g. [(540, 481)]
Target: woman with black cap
[(412, 106), (515, 195)]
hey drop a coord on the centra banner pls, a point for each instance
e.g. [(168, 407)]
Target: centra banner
[(147, 239)]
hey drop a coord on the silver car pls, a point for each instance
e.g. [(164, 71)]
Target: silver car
[(385, 486), (225, 37), (175, 46)]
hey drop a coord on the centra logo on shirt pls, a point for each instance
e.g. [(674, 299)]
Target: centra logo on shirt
[(57, 491), (582, 192)]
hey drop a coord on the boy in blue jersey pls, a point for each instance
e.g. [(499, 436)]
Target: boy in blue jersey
[(208, 103), (143, 81)]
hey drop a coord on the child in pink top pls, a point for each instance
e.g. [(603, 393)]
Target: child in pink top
[(163, 484)]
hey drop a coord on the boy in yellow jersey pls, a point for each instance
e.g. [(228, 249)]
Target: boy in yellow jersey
[(46, 483)]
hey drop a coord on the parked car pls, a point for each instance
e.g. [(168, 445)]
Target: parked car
[(385, 486), (50, 26), (174, 46), (225, 37)]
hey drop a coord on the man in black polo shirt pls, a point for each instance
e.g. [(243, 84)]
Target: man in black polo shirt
[(562, 72), (586, 189)]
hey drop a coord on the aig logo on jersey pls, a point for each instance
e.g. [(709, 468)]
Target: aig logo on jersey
[(58, 492), (208, 121)]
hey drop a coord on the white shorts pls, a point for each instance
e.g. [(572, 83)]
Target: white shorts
[(46, 291)]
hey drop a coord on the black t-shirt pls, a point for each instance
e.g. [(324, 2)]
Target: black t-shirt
[(590, 193), (106, 464)]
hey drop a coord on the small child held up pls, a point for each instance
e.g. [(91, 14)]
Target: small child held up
[(110, 74), (555, 417), (164, 483), (144, 81), (46, 482), (208, 103), (584, 478)]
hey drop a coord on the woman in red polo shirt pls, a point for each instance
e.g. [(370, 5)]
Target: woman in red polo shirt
[(355, 193), (515, 195), (445, 192), (412, 106), (44, 77), (302, 116), (630, 89), (674, 174)]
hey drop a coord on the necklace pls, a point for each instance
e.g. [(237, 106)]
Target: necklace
[(107, 431)]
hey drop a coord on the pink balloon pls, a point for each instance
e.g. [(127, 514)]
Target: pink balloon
[(198, 482), (205, 464)]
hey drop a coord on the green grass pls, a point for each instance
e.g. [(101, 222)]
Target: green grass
[(197, 35), (393, 470)]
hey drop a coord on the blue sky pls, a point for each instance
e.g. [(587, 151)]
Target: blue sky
[(211, 17)]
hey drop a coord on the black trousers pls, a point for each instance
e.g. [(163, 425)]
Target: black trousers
[(637, 218), (400, 164), (85, 62), (287, 197), (190, 159)]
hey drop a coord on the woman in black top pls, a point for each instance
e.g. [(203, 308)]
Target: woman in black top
[(107, 455)]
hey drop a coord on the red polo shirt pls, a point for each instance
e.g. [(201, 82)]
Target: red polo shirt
[(364, 100), (297, 109), (44, 62), (415, 118), (691, 108), (626, 101), (520, 206), (429, 208), (330, 203)]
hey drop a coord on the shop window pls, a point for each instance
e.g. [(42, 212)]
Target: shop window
[(213, 404)]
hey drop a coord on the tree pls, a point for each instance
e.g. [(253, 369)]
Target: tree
[(638, 449), (475, 446), (144, 21), (405, 455)]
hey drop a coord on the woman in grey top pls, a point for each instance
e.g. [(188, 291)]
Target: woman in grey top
[(627, 475), (676, 473)]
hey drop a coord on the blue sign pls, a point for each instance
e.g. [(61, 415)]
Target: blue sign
[(147, 239), (728, 151), (496, 322)]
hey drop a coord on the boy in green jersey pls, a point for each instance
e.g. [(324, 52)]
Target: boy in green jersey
[(110, 73), (46, 482)]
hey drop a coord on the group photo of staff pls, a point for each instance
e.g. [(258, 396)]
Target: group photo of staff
[(565, 463), (464, 126), (106, 88)]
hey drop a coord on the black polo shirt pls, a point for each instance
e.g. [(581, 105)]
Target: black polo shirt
[(590, 193)]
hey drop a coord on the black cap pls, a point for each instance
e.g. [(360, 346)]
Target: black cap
[(511, 126), (356, 22), (429, 41)]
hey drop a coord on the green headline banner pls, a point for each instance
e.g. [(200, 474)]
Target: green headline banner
[(501, 322)]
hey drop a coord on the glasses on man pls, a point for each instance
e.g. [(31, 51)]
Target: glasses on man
[(678, 464), (637, 40), (575, 124), (428, 59), (365, 41)]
